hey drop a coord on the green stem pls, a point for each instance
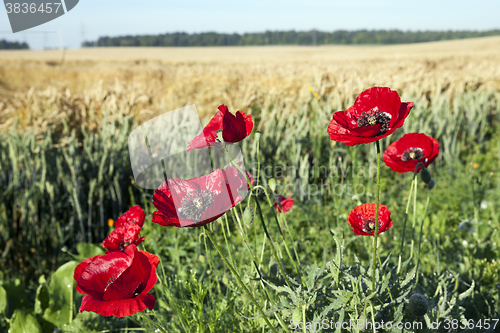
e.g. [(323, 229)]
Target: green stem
[(420, 240), (281, 234), (290, 234), (152, 322), (304, 319), (374, 263), (413, 184), (404, 227), (414, 216), (273, 250), (242, 285), (225, 238)]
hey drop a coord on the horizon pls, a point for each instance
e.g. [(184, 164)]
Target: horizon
[(92, 19)]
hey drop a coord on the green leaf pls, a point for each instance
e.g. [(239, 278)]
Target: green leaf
[(409, 276), (24, 322), (62, 283), (4, 303), (341, 320), (467, 292), (42, 298), (87, 250), (297, 315)]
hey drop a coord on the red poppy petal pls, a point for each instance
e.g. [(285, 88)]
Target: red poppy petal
[(105, 269), (286, 203), (121, 237), (165, 220), (80, 269), (154, 261), (132, 281), (248, 123), (404, 111), (361, 213), (233, 127), (164, 202), (222, 108), (385, 99), (118, 308), (209, 133), (134, 215), (113, 241), (393, 155), (345, 119)]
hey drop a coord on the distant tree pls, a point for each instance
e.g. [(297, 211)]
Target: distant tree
[(6, 45), (288, 38)]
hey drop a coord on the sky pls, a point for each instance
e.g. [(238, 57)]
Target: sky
[(92, 19)]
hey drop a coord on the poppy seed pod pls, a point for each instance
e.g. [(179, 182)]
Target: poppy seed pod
[(425, 175), (418, 305)]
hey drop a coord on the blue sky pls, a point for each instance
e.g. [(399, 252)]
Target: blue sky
[(93, 18)]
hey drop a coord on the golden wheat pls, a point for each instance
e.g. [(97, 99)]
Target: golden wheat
[(39, 91)]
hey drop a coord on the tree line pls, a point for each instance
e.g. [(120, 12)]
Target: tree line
[(6, 45), (314, 37)]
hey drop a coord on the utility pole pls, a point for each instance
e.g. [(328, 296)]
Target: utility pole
[(82, 34)]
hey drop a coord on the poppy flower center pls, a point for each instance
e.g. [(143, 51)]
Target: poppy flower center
[(373, 117), (412, 154), (195, 203), (369, 225)]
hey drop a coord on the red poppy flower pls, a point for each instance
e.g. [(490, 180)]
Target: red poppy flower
[(122, 237), (376, 113), (135, 215), (127, 229), (198, 201), (117, 283), (234, 129), (362, 219), (404, 154), (286, 203)]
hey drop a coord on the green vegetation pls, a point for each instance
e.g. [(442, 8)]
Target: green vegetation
[(59, 188), (292, 37)]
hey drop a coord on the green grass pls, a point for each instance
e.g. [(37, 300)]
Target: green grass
[(60, 190)]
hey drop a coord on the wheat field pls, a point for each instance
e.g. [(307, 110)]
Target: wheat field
[(65, 173), (40, 88)]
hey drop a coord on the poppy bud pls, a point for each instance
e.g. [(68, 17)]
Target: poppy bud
[(272, 184), (418, 305), (425, 175), (248, 217), (431, 184)]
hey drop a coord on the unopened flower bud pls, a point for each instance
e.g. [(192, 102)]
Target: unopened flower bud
[(248, 217), (425, 175), (272, 184), (431, 184), (418, 305)]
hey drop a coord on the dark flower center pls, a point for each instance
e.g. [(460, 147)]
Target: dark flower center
[(136, 291), (373, 117), (412, 154), (196, 203), (369, 225)]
